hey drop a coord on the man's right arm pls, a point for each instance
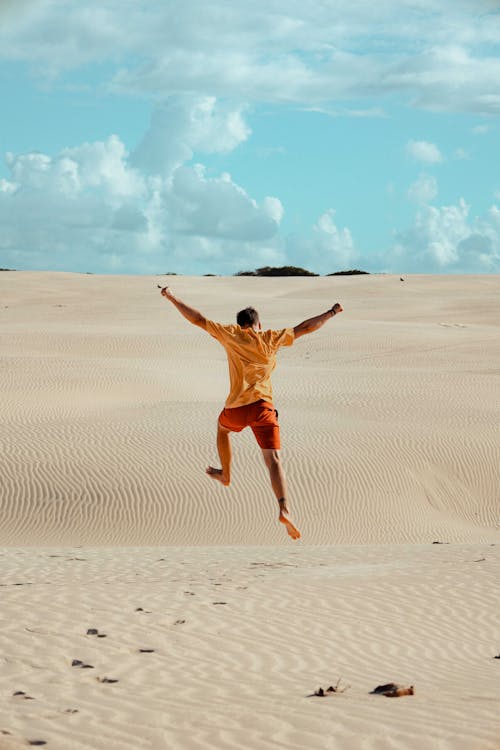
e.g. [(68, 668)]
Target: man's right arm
[(194, 316), (312, 324)]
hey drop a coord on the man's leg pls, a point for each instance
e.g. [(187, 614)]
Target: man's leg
[(277, 476), (222, 475)]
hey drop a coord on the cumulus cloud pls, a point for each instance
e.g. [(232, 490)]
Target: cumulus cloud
[(183, 125), (424, 189), (445, 239), (90, 208), (284, 51), (424, 151), (7, 187), (327, 249), (94, 206), (205, 69), (218, 208), (336, 245)]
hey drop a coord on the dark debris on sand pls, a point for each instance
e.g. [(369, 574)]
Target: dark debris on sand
[(391, 690)]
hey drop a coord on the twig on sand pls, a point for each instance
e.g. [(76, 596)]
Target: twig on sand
[(320, 693)]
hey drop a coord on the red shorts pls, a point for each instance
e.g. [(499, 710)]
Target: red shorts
[(261, 416)]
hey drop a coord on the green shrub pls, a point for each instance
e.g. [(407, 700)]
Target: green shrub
[(353, 272), (277, 271)]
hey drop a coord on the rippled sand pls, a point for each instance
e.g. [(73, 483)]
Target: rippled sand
[(389, 414), (143, 606)]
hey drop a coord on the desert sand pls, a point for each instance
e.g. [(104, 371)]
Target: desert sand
[(143, 605)]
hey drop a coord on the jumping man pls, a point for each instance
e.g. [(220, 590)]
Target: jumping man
[(251, 354)]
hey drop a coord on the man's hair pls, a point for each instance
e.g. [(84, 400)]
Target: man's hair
[(248, 317)]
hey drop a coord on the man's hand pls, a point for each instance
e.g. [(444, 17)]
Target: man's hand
[(312, 324), (165, 292), (194, 316)]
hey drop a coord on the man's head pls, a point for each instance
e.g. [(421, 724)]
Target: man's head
[(248, 318)]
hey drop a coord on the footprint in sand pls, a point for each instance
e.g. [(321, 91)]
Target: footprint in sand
[(94, 631), (78, 663)]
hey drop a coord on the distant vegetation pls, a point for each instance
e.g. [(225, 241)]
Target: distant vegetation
[(274, 271), (7, 269), (353, 272), (277, 271)]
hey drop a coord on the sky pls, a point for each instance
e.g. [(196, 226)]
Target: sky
[(194, 137)]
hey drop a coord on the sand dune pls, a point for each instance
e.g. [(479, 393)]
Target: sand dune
[(113, 636), (109, 400), (220, 647)]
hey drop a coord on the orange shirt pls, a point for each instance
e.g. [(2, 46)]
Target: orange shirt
[(251, 356)]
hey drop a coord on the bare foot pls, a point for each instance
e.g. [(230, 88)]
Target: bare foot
[(217, 474), (291, 529)]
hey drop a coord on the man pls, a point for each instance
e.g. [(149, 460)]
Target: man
[(251, 354)]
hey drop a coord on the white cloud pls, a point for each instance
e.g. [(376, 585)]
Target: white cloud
[(218, 208), (89, 208), (274, 208), (446, 240), (448, 76), (92, 208), (326, 250), (481, 129), (461, 154), (205, 68), (424, 189), (336, 244), (101, 166), (227, 257), (368, 113), (265, 152), (182, 125), (424, 151), (283, 51), (7, 187)]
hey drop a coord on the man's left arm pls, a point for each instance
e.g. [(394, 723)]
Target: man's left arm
[(194, 316), (312, 324)]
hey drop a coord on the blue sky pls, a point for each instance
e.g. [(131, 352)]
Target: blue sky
[(145, 137)]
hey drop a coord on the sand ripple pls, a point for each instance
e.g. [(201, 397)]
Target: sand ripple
[(109, 402)]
